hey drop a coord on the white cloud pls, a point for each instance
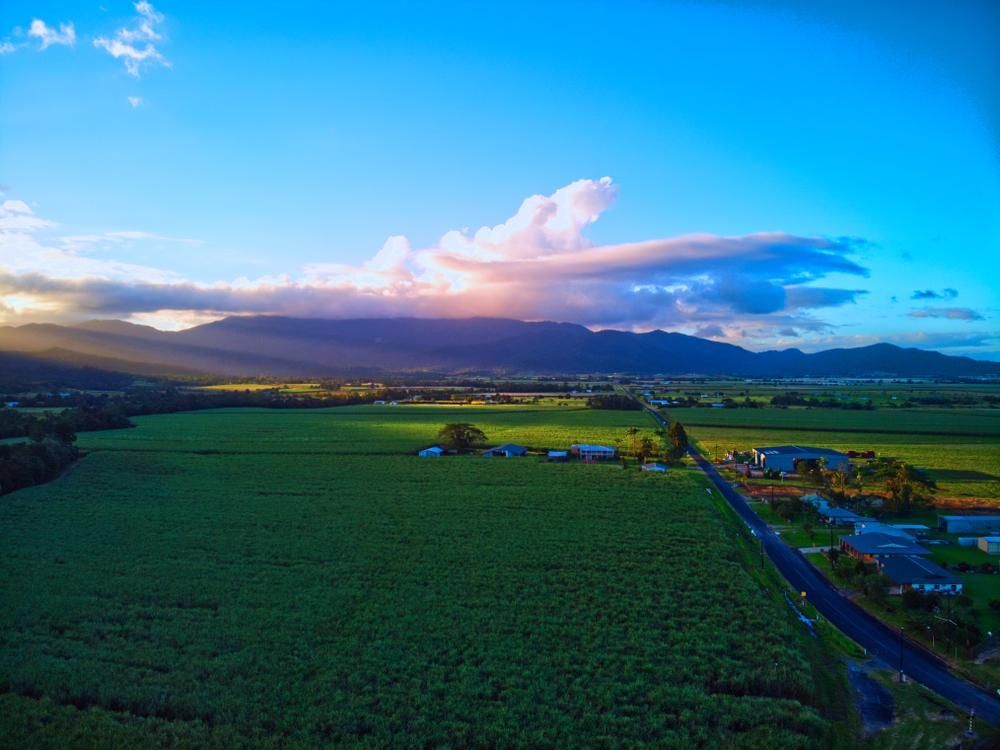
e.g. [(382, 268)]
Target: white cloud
[(538, 264), (7, 48), (134, 45), (47, 36), (134, 101)]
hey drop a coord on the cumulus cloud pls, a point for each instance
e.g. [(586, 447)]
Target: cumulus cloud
[(538, 264), (947, 293), (950, 313), (47, 36), (136, 45)]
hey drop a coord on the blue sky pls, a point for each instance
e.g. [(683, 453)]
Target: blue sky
[(778, 176)]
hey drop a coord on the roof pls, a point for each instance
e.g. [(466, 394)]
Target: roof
[(910, 569), (839, 513), (868, 526), (586, 447), (777, 450), (434, 449), (883, 544), (558, 454), (970, 518), (655, 466), (507, 447), (991, 539)]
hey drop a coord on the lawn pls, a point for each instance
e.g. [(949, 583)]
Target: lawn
[(297, 578)]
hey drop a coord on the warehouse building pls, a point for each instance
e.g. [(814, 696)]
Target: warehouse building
[(967, 524), (785, 457)]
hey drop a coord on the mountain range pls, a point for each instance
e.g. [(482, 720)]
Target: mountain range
[(281, 346)]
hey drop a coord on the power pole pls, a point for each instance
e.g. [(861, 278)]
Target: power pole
[(900, 653)]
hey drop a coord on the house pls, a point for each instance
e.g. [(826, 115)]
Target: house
[(378, 403), (989, 544), (508, 450), (911, 572), (870, 548), (840, 516), (655, 466), (964, 524), (874, 527), (785, 457), (914, 529), (592, 452), (557, 456), (435, 451), (657, 402)]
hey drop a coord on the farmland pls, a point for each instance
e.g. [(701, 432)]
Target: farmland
[(960, 449), (237, 577)]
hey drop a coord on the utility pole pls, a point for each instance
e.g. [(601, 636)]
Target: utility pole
[(900, 653)]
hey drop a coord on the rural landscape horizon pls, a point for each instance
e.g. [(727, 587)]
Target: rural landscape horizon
[(511, 375)]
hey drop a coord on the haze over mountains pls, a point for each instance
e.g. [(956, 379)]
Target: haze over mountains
[(266, 345)]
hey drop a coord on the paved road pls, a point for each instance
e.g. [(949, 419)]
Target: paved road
[(848, 617)]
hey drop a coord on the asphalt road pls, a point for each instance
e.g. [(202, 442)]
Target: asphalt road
[(918, 664)]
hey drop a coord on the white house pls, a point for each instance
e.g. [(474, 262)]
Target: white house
[(593, 452)]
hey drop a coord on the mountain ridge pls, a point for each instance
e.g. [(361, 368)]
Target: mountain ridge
[(286, 346)]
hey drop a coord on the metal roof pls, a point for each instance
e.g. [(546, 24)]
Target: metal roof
[(883, 544), (910, 569)]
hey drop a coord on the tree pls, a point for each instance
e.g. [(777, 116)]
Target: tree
[(646, 448), (678, 439), (461, 436)]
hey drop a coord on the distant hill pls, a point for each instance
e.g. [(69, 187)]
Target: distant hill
[(270, 345), (48, 371)]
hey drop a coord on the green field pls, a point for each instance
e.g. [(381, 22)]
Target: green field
[(296, 578), (964, 466)]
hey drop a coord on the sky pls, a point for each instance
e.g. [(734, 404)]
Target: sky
[(767, 173)]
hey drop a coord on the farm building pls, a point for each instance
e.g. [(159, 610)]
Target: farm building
[(840, 516), (508, 450), (655, 466), (868, 526), (592, 452), (557, 456), (910, 572), (784, 457), (818, 502), (870, 548), (965, 524), (435, 451), (989, 544)]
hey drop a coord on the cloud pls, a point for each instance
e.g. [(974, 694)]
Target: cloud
[(47, 36), (134, 101), (17, 216), (135, 45), (947, 293), (6, 48), (538, 264), (950, 313)]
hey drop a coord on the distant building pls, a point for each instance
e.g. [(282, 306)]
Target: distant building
[(12, 404), (509, 450), (818, 502), (870, 548), (592, 452), (840, 516), (557, 456), (378, 403), (655, 466), (868, 526), (910, 572), (989, 544), (965, 524), (435, 451), (785, 457)]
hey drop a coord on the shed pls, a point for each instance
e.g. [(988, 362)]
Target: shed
[(654, 466), (435, 451), (965, 524), (557, 456), (508, 450), (989, 544), (840, 516), (784, 457)]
